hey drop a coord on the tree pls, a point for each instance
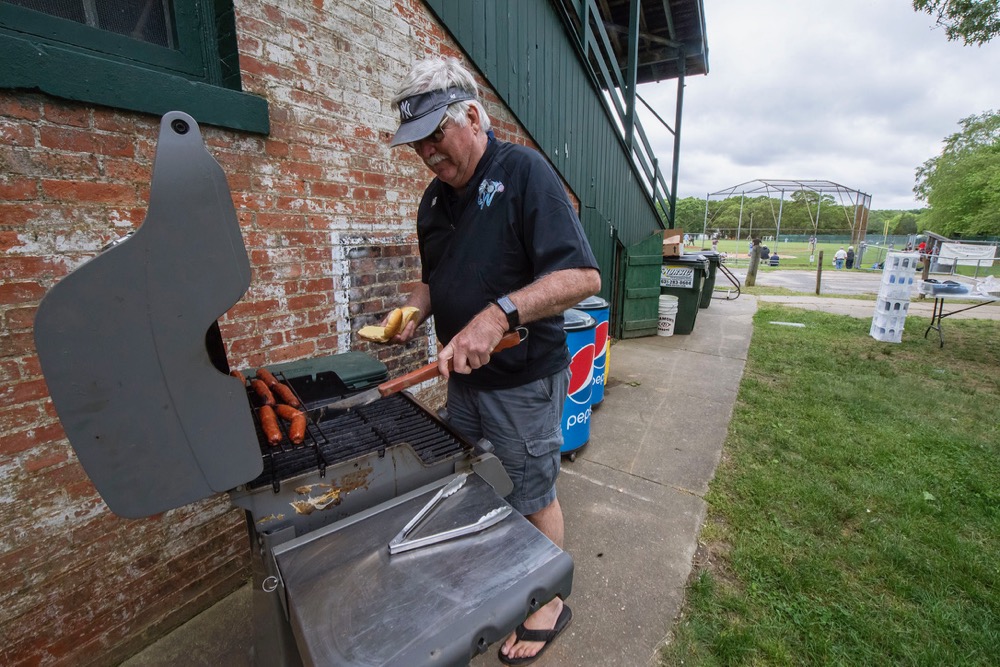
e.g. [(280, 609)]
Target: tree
[(690, 214), (962, 185), (906, 223), (972, 21)]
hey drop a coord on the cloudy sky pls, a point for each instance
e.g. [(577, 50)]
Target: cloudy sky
[(859, 92)]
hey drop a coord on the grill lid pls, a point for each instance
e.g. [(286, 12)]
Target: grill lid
[(131, 350)]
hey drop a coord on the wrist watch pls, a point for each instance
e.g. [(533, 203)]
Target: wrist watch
[(510, 310)]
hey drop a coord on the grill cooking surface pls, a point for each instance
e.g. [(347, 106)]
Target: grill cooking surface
[(393, 420)]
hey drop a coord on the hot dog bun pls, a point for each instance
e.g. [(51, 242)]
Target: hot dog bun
[(373, 334), (409, 314), (394, 323)]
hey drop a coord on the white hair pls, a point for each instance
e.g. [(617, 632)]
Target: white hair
[(441, 74)]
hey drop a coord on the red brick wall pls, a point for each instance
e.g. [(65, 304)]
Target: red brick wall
[(327, 212)]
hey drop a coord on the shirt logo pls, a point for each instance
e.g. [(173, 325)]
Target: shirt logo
[(488, 190)]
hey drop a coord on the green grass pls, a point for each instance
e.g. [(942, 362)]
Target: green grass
[(795, 255), (855, 516)]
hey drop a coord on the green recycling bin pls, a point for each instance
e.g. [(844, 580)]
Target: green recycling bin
[(684, 277), (714, 259)]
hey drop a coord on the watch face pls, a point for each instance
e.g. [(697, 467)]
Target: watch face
[(510, 310)]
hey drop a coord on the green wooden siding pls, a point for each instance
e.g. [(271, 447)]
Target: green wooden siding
[(605, 246), (530, 59), (523, 49)]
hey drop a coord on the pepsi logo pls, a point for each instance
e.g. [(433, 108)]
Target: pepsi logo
[(601, 341), (577, 419), (581, 368)]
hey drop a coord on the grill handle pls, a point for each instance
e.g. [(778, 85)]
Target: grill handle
[(431, 370)]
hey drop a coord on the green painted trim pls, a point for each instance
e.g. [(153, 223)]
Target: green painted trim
[(641, 324), (642, 292), (62, 72), (186, 57), (644, 260)]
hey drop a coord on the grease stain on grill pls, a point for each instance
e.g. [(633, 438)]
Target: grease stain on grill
[(270, 517)]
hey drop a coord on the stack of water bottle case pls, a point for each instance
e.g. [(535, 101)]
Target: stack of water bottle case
[(898, 274)]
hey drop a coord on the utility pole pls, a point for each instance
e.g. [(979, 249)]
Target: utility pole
[(754, 262), (819, 272)]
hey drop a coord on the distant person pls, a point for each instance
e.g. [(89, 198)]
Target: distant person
[(839, 258), (715, 242), (850, 257), (773, 261), (765, 252)]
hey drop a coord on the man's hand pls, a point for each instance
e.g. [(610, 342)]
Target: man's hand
[(420, 298), (471, 347)]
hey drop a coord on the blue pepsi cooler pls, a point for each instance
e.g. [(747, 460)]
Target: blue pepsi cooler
[(580, 328), (600, 310)]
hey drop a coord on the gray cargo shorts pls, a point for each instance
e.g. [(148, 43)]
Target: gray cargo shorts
[(525, 426)]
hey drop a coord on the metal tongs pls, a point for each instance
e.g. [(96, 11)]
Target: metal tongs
[(400, 543)]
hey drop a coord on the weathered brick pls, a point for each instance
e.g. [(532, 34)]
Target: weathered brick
[(294, 351), (14, 189), (85, 191), (327, 212), (27, 108), (13, 443), (19, 319)]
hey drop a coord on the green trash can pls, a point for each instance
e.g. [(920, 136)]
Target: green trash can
[(714, 259), (684, 277)]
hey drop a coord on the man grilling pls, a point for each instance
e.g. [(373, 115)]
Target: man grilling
[(500, 247)]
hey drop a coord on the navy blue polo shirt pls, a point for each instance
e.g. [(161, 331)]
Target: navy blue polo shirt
[(513, 224)]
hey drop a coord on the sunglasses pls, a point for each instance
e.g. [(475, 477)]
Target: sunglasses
[(436, 137)]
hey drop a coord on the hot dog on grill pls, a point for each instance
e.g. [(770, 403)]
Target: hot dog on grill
[(239, 376), (297, 419), (297, 429), (285, 394), (286, 412), (262, 391), (267, 377), (269, 422)]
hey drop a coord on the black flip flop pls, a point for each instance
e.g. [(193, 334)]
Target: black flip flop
[(547, 636)]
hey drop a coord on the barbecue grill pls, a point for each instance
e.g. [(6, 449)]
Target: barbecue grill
[(136, 367)]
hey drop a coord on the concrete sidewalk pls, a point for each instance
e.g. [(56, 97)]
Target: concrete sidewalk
[(633, 502)]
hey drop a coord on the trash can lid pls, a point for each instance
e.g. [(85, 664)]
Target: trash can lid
[(713, 256), (695, 261), (592, 303), (577, 320), (709, 254)]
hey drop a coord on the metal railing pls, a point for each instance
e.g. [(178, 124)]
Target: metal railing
[(597, 50)]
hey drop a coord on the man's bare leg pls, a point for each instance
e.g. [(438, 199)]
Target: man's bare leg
[(549, 521)]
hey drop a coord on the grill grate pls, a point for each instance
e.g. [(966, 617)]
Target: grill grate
[(394, 420)]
